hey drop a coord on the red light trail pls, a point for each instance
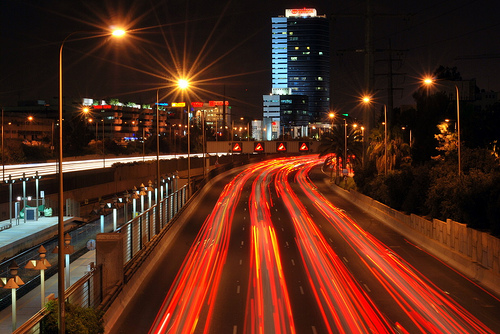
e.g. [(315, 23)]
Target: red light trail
[(344, 306)]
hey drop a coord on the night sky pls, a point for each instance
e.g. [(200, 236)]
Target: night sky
[(226, 46)]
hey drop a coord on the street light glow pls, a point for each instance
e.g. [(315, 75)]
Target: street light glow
[(367, 99), (428, 81), (183, 83), (118, 33)]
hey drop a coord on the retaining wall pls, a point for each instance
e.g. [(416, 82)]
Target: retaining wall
[(474, 253)]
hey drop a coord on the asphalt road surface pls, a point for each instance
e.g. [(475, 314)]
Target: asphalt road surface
[(271, 249)]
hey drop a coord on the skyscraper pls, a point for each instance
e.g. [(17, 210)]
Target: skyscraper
[(300, 66)]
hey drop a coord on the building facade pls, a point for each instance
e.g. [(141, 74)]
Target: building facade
[(300, 66)]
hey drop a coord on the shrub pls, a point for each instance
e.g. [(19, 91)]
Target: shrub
[(79, 320)]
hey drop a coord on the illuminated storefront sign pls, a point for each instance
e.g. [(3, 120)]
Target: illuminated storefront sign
[(217, 103), (102, 106), (197, 104), (178, 104), (301, 12)]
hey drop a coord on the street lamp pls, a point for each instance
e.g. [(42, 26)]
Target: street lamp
[(183, 84), (60, 222), (41, 265), (332, 117), (367, 100), (428, 81)]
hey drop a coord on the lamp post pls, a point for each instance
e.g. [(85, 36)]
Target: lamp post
[(13, 283), (3, 153), (332, 117), (458, 132), (142, 193), (345, 144), (126, 200), (150, 189), (41, 265), (37, 179), (363, 138), (134, 196), (102, 211), (24, 198), (368, 100), (430, 82), (385, 138), (157, 212), (60, 222), (10, 181)]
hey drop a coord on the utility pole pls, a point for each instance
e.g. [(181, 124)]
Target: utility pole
[(369, 61)]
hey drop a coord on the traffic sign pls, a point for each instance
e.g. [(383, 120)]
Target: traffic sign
[(303, 147), (281, 147), (237, 147), (258, 147)]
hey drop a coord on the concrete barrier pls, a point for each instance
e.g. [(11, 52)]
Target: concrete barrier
[(474, 253)]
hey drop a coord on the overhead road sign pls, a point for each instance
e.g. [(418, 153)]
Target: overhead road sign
[(237, 147), (258, 147)]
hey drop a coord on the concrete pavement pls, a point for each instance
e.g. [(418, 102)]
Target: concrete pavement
[(26, 235)]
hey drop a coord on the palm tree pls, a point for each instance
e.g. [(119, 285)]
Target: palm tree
[(398, 152), (333, 142)]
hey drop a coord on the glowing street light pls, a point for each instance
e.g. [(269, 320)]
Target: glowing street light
[(430, 82), (332, 117), (367, 100), (60, 224)]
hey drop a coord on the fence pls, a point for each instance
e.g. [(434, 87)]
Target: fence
[(139, 231)]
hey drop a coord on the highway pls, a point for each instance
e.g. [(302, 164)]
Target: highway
[(270, 249)]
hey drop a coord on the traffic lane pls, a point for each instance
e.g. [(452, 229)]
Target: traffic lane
[(358, 268), (140, 312), (307, 315), (232, 308), (469, 295), (228, 314)]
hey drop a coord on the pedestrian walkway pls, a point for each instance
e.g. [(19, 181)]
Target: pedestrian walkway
[(26, 235)]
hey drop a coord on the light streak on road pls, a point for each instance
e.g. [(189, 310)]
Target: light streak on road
[(268, 307), (430, 309), (343, 304), (50, 168), (196, 284)]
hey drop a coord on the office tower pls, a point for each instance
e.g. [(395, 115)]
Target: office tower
[(300, 67)]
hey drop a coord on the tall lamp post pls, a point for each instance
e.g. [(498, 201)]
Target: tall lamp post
[(429, 82), (332, 117), (60, 221), (458, 132), (184, 84), (367, 100), (157, 210)]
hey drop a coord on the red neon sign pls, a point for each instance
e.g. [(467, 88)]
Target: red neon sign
[(218, 103), (104, 106), (197, 104)]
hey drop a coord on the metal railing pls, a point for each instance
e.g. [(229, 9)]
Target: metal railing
[(138, 233)]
